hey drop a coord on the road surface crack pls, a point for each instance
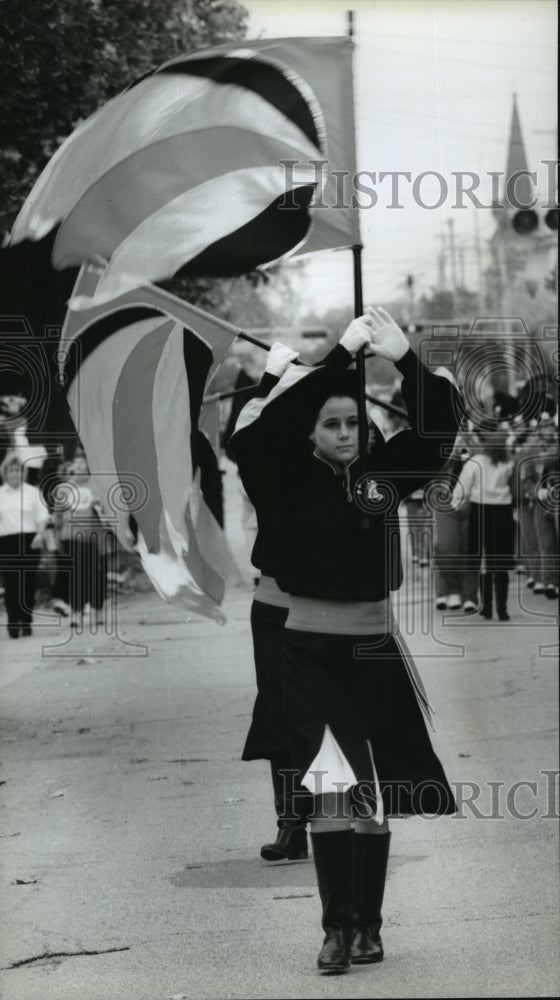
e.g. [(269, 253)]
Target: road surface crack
[(49, 955)]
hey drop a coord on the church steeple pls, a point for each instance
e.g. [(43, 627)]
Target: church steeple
[(517, 160)]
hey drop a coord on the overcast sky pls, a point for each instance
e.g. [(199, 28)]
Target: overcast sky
[(434, 83)]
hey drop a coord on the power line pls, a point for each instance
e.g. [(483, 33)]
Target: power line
[(463, 41), (444, 118), (470, 62)]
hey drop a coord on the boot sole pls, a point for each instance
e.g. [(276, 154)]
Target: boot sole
[(269, 855), (367, 961)]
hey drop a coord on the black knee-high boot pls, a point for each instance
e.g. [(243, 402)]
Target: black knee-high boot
[(501, 582), (333, 856), (486, 593), (292, 804), (371, 854)]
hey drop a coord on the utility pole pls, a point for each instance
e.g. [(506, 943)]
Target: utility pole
[(409, 282), (478, 253), (442, 274), (453, 261), (441, 271), (461, 256)]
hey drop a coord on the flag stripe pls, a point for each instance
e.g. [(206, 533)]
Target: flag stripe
[(170, 407), (133, 432), (90, 398), (183, 228), (92, 337), (210, 478), (247, 247), (264, 78), (197, 358), (168, 168), (162, 108), (205, 575)]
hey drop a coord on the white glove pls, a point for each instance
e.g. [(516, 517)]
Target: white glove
[(357, 334), (542, 494), (279, 359), (387, 339)]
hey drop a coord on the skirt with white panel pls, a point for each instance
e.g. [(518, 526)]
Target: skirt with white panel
[(356, 709)]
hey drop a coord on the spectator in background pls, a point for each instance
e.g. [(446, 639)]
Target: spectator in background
[(23, 522), (524, 496), (32, 456), (456, 587), (420, 528), (485, 483), (545, 509), (14, 435), (536, 467), (82, 539), (55, 475), (12, 402)]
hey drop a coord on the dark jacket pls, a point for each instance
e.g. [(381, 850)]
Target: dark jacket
[(318, 536)]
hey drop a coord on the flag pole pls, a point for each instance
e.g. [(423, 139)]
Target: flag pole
[(363, 430), (217, 397), (252, 340)]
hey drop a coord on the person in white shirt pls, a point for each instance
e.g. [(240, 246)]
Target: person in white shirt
[(23, 520), (485, 482)]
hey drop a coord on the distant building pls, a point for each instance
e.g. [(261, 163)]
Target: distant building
[(525, 243)]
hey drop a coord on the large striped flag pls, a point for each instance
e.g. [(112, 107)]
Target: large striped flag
[(136, 371), (325, 63), (216, 163)]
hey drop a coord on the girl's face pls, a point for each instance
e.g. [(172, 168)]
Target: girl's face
[(336, 431), (13, 475)]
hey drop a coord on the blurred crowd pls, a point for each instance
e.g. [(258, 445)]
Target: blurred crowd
[(493, 511), (53, 529)]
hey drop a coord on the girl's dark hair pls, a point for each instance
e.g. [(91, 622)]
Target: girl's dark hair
[(345, 385)]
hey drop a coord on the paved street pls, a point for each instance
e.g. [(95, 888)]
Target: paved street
[(130, 829)]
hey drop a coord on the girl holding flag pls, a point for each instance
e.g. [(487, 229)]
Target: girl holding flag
[(353, 700), (268, 734)]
